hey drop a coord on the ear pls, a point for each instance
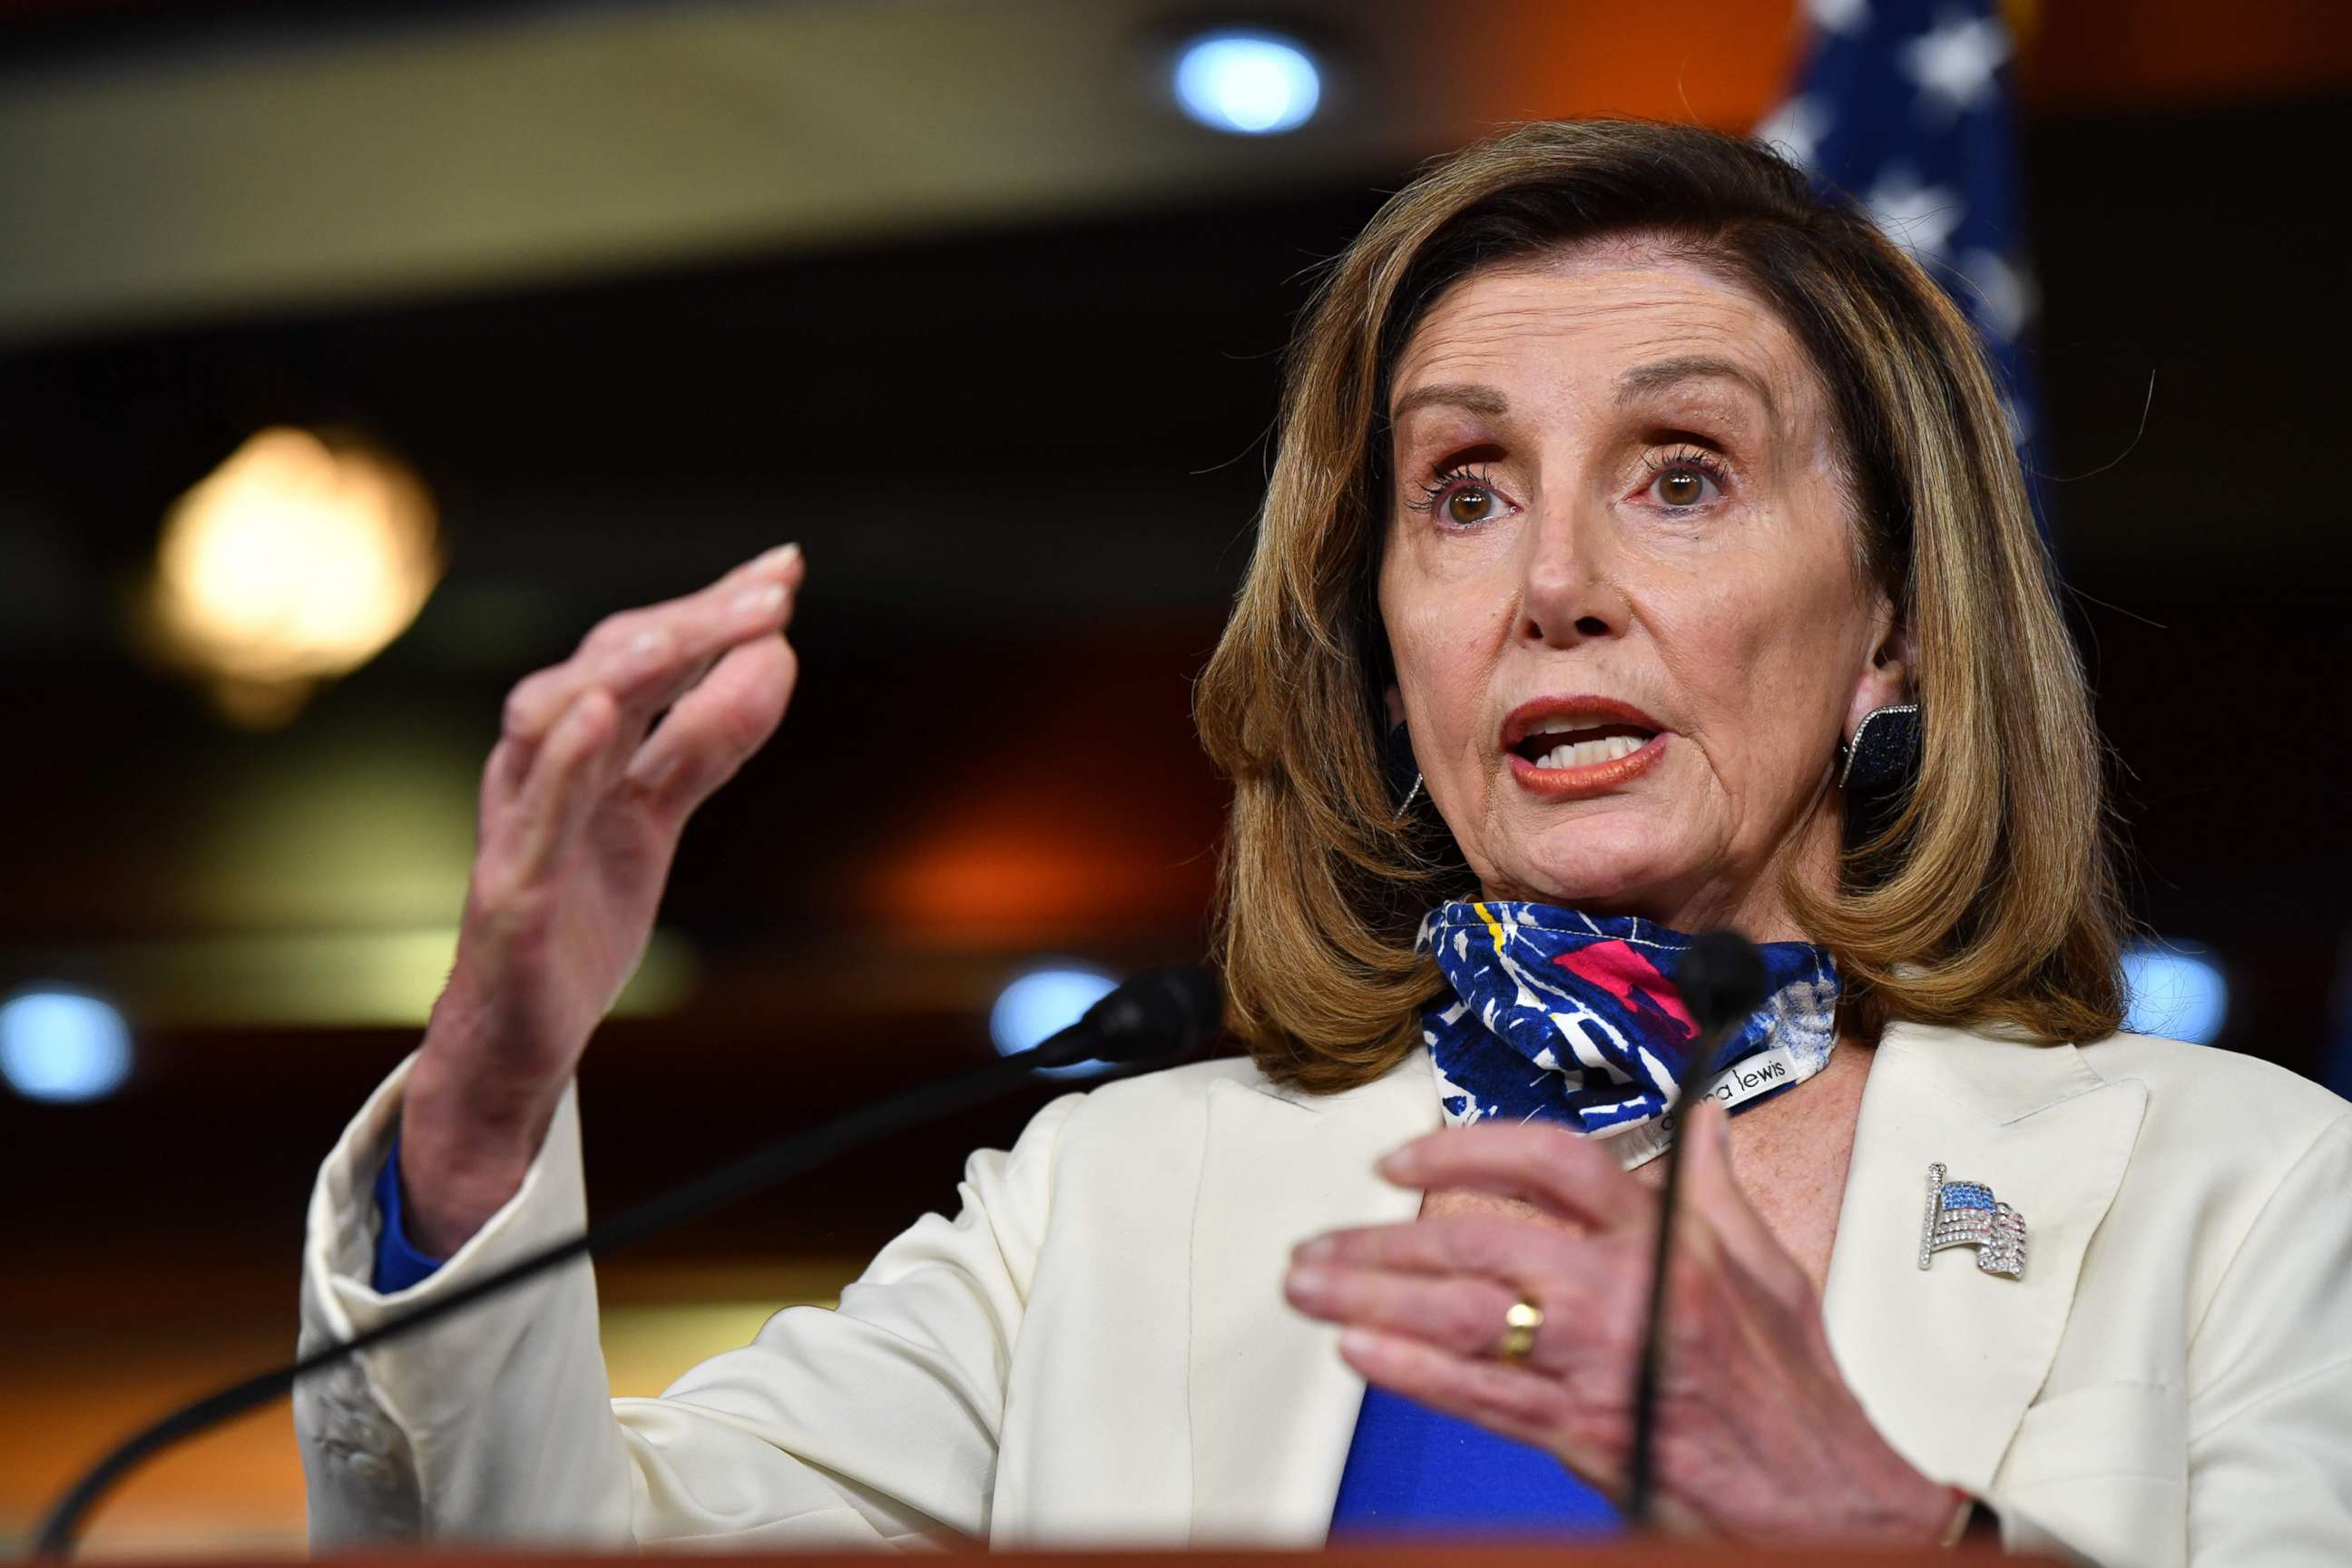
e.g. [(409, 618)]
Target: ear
[(1394, 697), (1884, 678)]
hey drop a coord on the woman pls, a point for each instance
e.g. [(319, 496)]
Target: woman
[(1626, 500)]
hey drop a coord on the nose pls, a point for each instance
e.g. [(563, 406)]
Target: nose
[(1567, 588)]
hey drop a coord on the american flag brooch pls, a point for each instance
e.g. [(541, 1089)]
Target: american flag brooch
[(1963, 1214)]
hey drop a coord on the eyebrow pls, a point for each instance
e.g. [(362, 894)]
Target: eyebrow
[(1660, 374), (1465, 396), (1655, 376)]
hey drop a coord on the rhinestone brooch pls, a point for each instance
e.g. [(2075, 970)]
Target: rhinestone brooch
[(1964, 1213)]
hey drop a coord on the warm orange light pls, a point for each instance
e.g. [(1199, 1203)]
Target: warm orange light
[(294, 561), (1024, 881), (1724, 64), (1083, 818)]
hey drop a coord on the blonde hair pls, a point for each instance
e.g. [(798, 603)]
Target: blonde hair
[(1989, 898)]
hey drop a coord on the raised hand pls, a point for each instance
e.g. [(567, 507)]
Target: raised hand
[(582, 801)]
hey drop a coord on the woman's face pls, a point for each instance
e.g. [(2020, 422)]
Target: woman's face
[(1620, 582)]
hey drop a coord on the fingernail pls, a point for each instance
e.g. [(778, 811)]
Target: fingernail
[(1308, 1281), (775, 560), (760, 602), (1357, 1342), (1399, 1164), (1317, 1248)]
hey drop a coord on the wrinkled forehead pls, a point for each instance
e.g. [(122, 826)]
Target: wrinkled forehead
[(1601, 322)]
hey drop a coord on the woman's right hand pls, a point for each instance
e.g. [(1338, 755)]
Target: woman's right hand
[(580, 817)]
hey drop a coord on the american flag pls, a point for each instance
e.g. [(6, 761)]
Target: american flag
[(1908, 105)]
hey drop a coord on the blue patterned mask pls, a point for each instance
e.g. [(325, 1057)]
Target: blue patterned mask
[(1576, 1019)]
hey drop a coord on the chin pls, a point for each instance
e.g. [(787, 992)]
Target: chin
[(1606, 868)]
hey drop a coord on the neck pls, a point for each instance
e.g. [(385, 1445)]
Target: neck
[(1792, 1153)]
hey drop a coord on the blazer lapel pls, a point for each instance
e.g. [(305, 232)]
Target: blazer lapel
[(1947, 1359), (1272, 1405)]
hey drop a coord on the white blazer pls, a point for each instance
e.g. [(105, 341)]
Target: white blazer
[(1096, 1350)]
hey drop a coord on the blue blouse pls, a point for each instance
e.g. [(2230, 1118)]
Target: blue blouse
[(1410, 1467), (398, 1264), (1412, 1470)]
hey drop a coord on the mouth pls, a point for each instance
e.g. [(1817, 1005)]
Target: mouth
[(1583, 746), (1569, 743)]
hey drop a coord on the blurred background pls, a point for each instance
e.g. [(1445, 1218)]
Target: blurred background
[(355, 359)]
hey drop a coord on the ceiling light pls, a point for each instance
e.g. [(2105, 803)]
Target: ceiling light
[(62, 1045), (294, 561), (1248, 83)]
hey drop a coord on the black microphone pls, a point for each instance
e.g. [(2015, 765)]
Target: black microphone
[(1721, 979), (1158, 1014), (1137, 1021)]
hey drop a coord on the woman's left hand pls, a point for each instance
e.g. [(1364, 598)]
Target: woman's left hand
[(1758, 1436)]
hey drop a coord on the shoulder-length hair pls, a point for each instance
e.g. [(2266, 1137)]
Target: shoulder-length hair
[(1989, 898)]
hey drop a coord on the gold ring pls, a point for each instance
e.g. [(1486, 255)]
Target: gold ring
[(1520, 1326)]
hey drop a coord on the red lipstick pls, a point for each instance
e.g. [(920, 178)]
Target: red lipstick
[(1588, 716)]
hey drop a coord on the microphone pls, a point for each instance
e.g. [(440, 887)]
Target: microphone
[(1722, 981), (1158, 1014), (1137, 1021)]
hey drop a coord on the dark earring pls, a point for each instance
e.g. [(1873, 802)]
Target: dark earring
[(1880, 765), (1404, 773)]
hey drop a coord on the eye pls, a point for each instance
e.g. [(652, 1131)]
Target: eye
[(1461, 497), (1471, 502), (1685, 478)]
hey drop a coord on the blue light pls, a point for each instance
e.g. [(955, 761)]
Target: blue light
[(2176, 990), (62, 1045), (1252, 84), (1042, 1003)]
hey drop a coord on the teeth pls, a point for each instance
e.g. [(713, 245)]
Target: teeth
[(1585, 753)]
